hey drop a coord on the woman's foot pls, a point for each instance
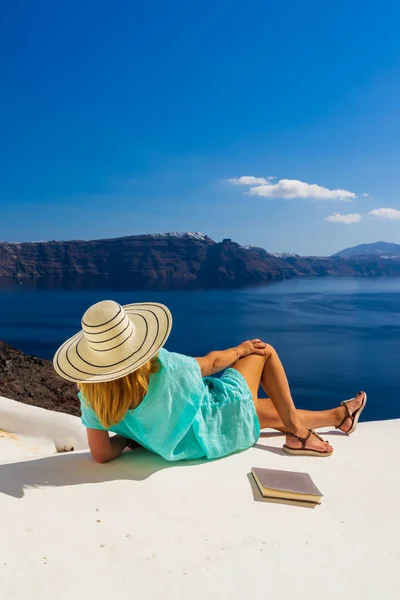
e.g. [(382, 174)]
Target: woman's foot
[(353, 406), (313, 443)]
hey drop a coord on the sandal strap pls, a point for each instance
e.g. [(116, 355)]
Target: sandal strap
[(305, 439), (316, 435), (348, 414)]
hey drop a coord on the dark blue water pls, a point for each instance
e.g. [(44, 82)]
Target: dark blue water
[(335, 336)]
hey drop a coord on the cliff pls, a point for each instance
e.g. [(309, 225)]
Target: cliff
[(123, 261), (32, 380), (168, 260)]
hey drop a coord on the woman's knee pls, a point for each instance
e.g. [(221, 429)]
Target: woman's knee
[(269, 350)]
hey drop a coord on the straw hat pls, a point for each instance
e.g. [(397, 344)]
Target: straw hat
[(115, 340)]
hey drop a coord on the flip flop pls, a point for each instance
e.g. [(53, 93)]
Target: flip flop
[(303, 451), (355, 416)]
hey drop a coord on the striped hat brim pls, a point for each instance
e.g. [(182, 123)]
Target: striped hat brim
[(79, 361)]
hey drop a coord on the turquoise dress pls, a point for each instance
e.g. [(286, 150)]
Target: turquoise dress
[(185, 416)]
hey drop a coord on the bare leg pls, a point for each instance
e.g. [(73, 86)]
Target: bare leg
[(269, 417), (268, 371), (279, 412)]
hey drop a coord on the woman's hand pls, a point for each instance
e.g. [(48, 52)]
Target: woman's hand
[(251, 347), (218, 360)]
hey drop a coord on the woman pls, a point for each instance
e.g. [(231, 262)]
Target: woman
[(170, 403)]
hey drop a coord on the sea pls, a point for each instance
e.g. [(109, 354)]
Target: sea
[(335, 336)]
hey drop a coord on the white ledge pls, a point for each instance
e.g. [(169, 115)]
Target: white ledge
[(140, 527)]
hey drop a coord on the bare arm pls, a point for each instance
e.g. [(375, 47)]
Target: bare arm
[(103, 447), (221, 359)]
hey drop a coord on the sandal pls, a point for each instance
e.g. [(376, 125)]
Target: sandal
[(355, 416), (303, 451)]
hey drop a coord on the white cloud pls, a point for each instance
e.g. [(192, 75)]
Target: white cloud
[(385, 213), (290, 188), (366, 195), (248, 180), (346, 219)]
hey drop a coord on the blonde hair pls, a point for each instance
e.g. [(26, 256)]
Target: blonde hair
[(110, 400)]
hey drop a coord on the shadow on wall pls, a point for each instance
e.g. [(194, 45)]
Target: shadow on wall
[(79, 468), (76, 468)]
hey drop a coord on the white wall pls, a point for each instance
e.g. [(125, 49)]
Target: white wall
[(66, 431)]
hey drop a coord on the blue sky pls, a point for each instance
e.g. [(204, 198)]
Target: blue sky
[(119, 118)]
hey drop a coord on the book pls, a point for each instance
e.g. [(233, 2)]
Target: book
[(286, 485)]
